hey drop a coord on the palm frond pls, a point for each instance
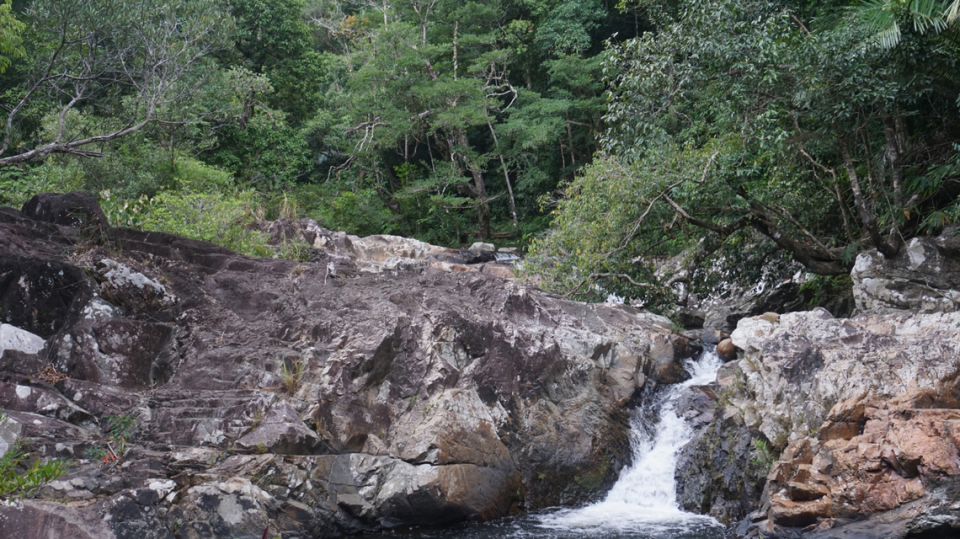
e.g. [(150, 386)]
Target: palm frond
[(880, 19), (952, 12)]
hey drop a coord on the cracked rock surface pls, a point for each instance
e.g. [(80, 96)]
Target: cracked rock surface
[(358, 391)]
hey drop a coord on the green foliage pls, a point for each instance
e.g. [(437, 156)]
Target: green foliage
[(763, 456), (16, 186), (209, 216), (740, 129), (18, 478), (882, 19), (440, 120), (120, 427), (76, 52), (11, 42), (822, 288), (125, 213)]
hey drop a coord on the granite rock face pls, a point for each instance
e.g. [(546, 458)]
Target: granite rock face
[(858, 416), (923, 277), (378, 385)]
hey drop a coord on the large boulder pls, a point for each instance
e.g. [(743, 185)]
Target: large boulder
[(853, 417), (384, 383), (78, 209), (924, 277)]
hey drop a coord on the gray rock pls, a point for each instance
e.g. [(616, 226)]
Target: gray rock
[(479, 246), (44, 520), (40, 400), (281, 432), (713, 336), (924, 277), (435, 392), (9, 432)]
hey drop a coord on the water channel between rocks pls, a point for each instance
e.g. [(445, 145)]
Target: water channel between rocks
[(642, 504)]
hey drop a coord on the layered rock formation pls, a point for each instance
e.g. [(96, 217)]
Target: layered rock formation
[(379, 385), (923, 277), (865, 411)]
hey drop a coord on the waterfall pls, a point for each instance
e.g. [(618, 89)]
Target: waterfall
[(644, 498)]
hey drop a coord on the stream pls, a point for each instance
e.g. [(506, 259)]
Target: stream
[(642, 504)]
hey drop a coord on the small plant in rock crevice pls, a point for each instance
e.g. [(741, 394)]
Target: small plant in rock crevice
[(763, 455), (119, 431), (18, 478), (291, 374)]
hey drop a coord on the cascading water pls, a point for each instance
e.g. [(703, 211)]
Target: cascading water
[(642, 504), (644, 498)]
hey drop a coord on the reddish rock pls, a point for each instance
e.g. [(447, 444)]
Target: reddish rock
[(726, 350)]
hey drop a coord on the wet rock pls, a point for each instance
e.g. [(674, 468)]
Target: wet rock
[(716, 474), (713, 336)]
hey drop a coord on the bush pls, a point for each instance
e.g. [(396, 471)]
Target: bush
[(214, 217)]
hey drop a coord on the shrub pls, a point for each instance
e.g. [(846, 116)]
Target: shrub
[(212, 217)]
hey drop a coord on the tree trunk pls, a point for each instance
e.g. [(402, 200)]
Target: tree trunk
[(483, 208), (867, 216)]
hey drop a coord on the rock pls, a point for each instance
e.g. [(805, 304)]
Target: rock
[(727, 350), (509, 250), (14, 339), (9, 432), (689, 318), (480, 247), (123, 286), (231, 508), (43, 520), (281, 432), (864, 409), (385, 382), (40, 400), (713, 336), (78, 209), (715, 475), (924, 277)]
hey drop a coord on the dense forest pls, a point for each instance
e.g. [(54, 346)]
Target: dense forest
[(605, 138)]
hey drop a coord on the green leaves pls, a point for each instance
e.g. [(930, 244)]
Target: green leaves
[(732, 115), (17, 477), (881, 19), (11, 44)]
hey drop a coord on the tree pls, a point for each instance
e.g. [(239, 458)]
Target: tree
[(740, 119), (103, 70), (451, 108)]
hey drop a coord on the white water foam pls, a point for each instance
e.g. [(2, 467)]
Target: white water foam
[(644, 498)]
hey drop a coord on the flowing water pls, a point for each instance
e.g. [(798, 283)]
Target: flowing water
[(642, 504)]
